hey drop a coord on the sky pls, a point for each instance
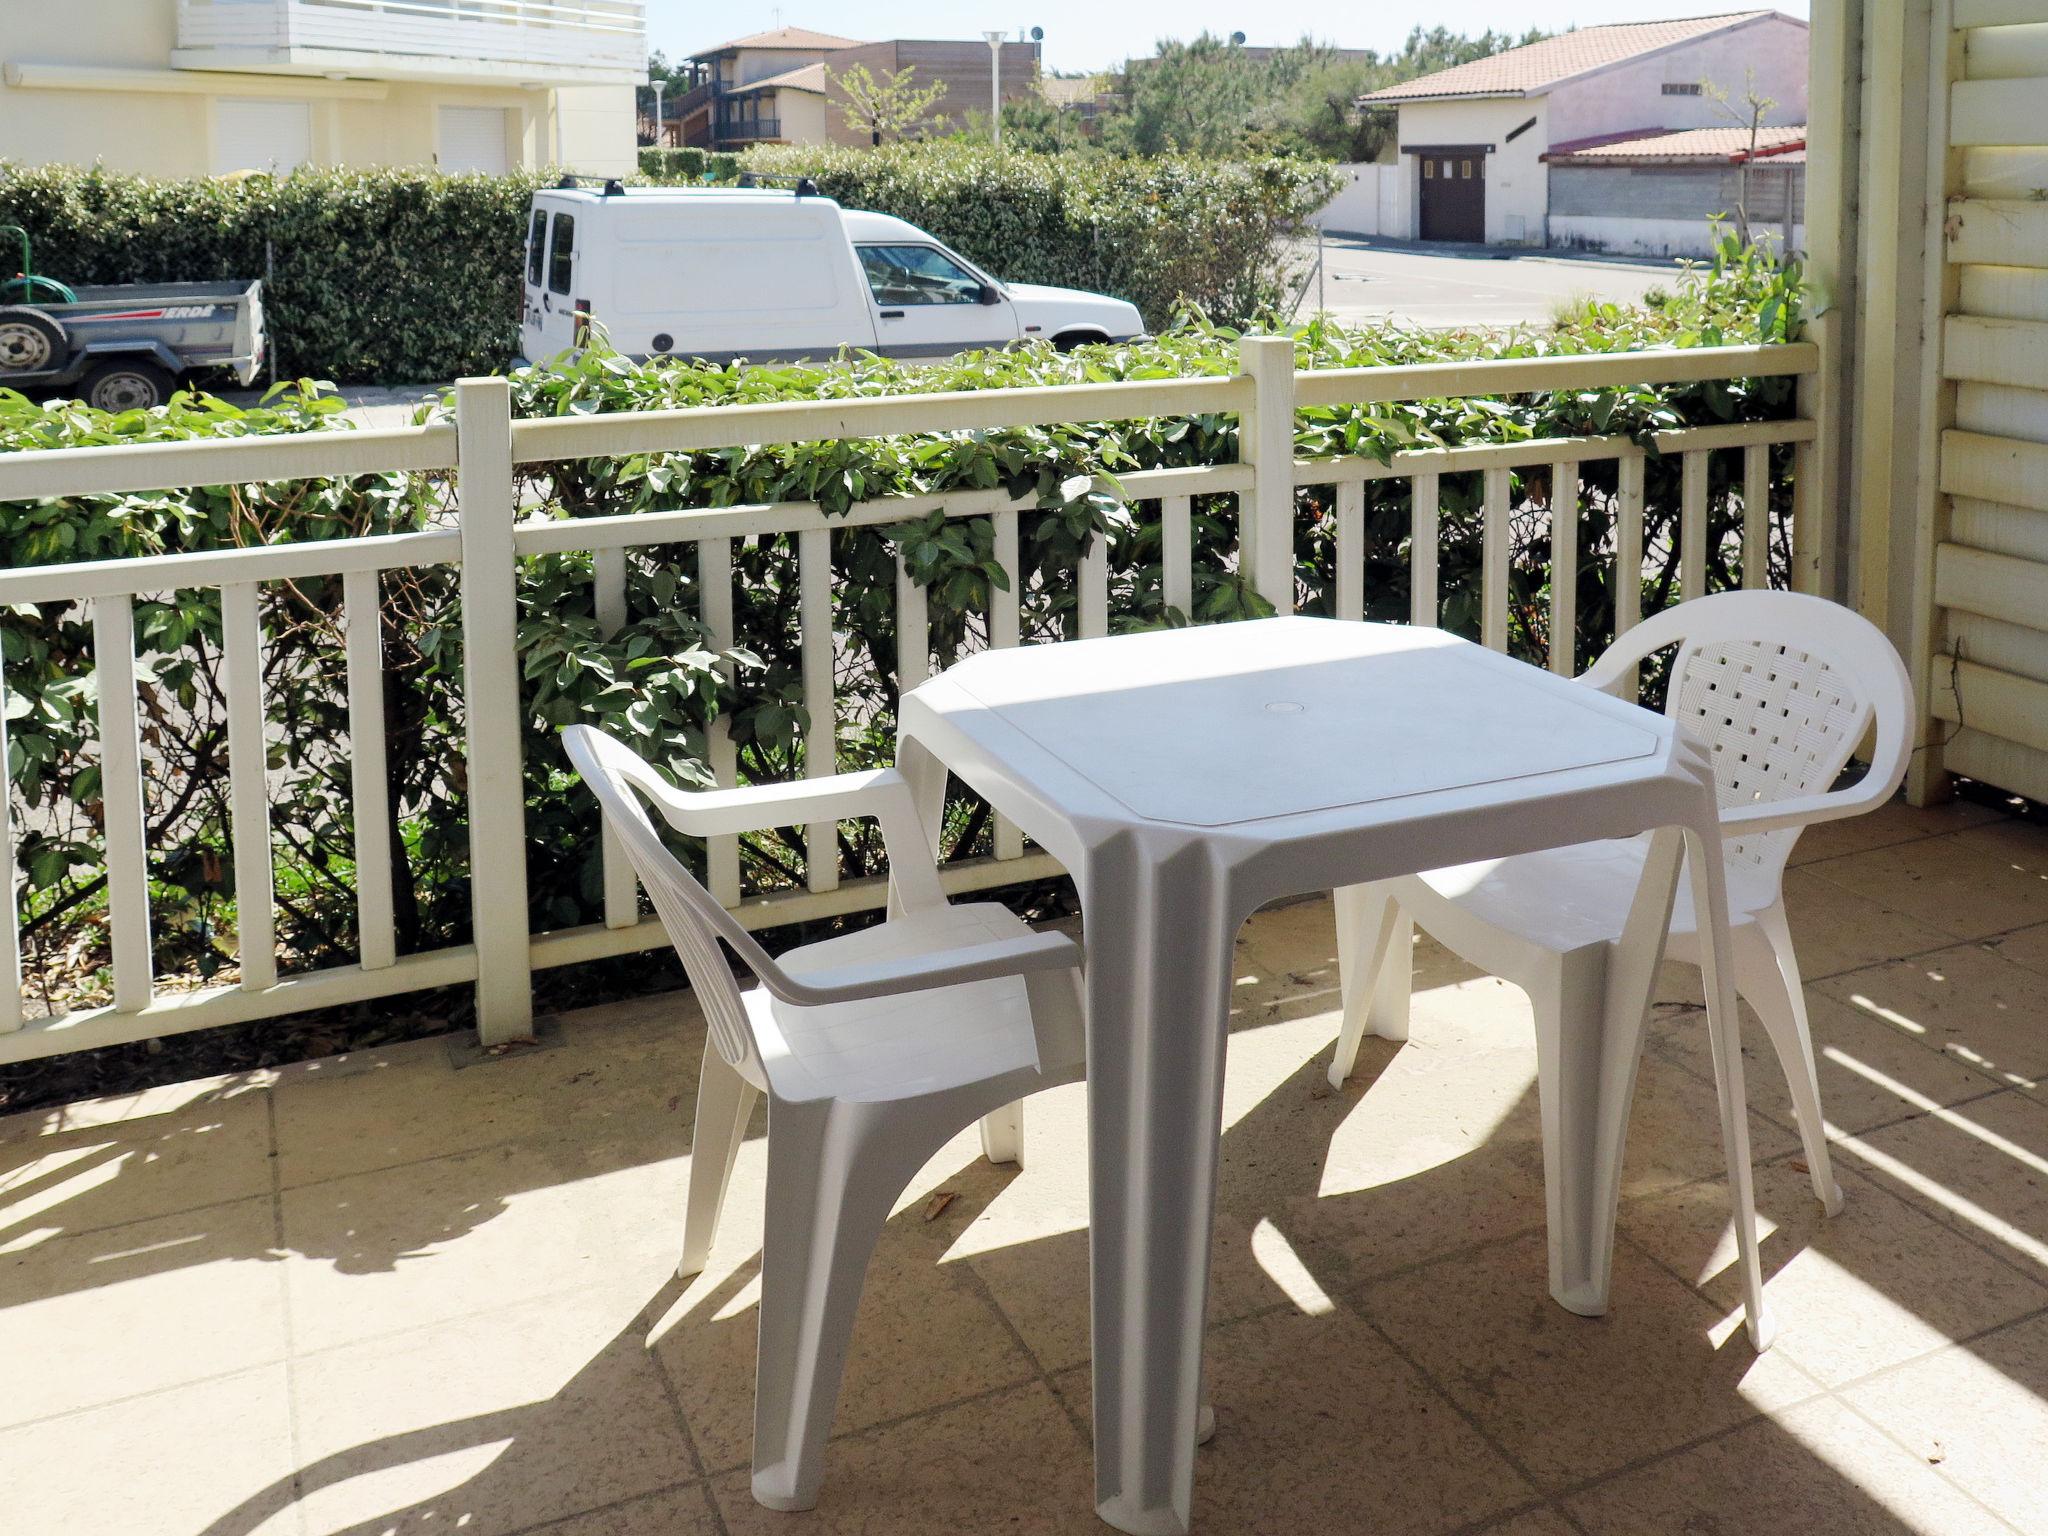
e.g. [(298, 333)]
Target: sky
[(1094, 34)]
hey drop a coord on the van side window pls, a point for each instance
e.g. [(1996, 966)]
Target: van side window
[(558, 257), (536, 246), (917, 274)]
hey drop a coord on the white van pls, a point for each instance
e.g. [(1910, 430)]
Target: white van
[(767, 274)]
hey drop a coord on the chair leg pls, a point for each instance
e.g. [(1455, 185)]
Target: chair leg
[(725, 1103), (1767, 973), (1588, 1046), (1002, 1134), (828, 1196), (1374, 969)]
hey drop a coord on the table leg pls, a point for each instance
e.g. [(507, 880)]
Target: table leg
[(1705, 861), (1160, 935)]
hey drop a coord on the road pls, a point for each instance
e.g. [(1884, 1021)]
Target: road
[(1437, 287)]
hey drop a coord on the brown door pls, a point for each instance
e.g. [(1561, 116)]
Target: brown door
[(1454, 195)]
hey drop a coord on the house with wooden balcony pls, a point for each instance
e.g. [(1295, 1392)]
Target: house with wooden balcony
[(781, 87), (213, 87)]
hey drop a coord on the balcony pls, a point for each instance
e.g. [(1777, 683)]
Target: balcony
[(751, 130), (376, 1294), (588, 42)]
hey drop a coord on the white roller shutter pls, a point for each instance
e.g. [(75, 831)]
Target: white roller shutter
[(272, 136), (473, 139)]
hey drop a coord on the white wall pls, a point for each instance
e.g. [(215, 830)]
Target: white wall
[(1653, 237), (1374, 201), (1631, 95), (1517, 181)]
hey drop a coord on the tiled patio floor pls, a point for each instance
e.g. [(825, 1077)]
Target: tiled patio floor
[(381, 1295)]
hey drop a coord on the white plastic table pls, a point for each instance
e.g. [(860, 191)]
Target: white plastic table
[(1185, 778)]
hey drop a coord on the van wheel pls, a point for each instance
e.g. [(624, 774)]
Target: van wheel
[(127, 384), (30, 341), (1066, 341)]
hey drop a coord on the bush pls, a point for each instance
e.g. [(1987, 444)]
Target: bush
[(684, 166), (382, 276), (1159, 232), (653, 681)]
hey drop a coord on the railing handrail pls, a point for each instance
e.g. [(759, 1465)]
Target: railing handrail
[(486, 445)]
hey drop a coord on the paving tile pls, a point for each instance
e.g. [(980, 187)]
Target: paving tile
[(1891, 823), (1968, 1001), (1873, 1070), (622, 1072), (1874, 1286), (673, 1512), (1978, 1413), (490, 1424), (1981, 1168), (1574, 1397), (1012, 1462), (1817, 1469), (1967, 890), (1369, 1444), (215, 1456), (927, 1333), (433, 1241), (113, 1161), (2027, 947), (105, 1315), (1537, 1522)]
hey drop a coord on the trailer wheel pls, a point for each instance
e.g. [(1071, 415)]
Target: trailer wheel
[(30, 341), (127, 384)]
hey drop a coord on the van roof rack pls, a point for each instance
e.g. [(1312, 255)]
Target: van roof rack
[(804, 185), (570, 181)]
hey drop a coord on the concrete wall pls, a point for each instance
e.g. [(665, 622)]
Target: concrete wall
[(803, 116), (1653, 237), (122, 105), (1375, 201), (1675, 191), (1631, 95), (1517, 184)]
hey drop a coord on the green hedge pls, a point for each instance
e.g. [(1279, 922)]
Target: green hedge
[(384, 276), (1159, 232), (687, 166)]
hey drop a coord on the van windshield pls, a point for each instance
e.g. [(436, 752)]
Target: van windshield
[(917, 274)]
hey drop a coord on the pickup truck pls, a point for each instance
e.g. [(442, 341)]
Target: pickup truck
[(720, 273), (126, 346)]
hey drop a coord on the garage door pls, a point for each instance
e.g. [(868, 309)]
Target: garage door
[(473, 139), (1454, 194), (261, 136)]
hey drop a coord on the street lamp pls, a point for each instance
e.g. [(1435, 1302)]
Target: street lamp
[(995, 85), (660, 85)]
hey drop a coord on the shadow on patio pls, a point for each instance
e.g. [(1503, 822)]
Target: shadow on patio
[(376, 1295)]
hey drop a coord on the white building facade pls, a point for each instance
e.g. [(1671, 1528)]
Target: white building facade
[(211, 87), (1475, 141)]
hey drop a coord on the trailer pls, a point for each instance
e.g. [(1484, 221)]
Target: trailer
[(126, 346)]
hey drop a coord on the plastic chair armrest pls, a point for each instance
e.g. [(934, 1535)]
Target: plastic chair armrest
[(756, 807), (921, 973)]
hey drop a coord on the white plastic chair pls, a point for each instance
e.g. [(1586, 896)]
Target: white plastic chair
[(873, 1049), (1782, 688)]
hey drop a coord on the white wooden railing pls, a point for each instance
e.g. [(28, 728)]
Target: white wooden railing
[(485, 448)]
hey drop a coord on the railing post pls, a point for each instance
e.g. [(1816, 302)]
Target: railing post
[(490, 685), (1266, 442)]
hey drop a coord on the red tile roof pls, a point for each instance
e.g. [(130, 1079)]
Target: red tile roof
[(1699, 144), (792, 38), (1536, 67)]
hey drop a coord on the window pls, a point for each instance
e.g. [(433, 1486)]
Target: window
[(1682, 88), (1465, 170), (559, 256), (917, 274), (473, 139), (273, 136), (1429, 170), (536, 247)]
